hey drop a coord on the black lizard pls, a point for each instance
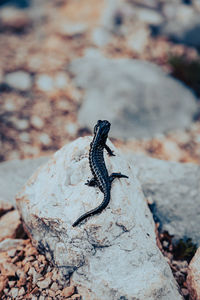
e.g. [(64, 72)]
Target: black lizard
[(98, 168)]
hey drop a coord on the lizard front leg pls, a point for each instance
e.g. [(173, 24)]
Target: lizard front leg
[(92, 182), (110, 152)]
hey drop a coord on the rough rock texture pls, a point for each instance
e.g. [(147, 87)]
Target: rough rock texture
[(13, 175), (175, 189), (140, 99), (110, 256), (193, 278)]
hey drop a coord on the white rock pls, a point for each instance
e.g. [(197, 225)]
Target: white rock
[(112, 255), (149, 16), (45, 83), (139, 39), (70, 29), (61, 80), (13, 18), (37, 122), (45, 139), (175, 189), (19, 80), (100, 37)]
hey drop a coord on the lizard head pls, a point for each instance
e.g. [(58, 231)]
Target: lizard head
[(101, 129)]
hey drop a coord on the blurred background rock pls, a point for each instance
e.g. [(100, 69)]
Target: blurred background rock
[(140, 69)]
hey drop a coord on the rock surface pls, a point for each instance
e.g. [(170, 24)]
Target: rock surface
[(174, 189), (19, 80), (193, 278), (13, 175), (56, 196), (140, 99)]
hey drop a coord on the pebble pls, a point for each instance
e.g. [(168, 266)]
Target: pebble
[(19, 80), (45, 139), (54, 286), (68, 291), (100, 37), (44, 283), (76, 297), (21, 291), (61, 80), (45, 83), (71, 129), (37, 122), (22, 124), (149, 16), (14, 292), (9, 105), (139, 39), (24, 137), (13, 18), (71, 29)]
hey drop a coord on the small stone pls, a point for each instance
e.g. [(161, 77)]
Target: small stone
[(149, 16), (37, 122), (21, 291), (13, 18), (22, 124), (44, 283), (139, 39), (70, 29), (52, 294), (9, 105), (100, 37), (45, 83), (14, 292), (9, 225), (76, 297), (19, 80), (11, 283), (61, 80), (54, 286), (10, 244), (24, 137), (71, 128), (68, 291), (45, 139)]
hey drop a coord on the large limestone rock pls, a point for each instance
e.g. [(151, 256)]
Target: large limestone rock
[(175, 190), (112, 255), (137, 97)]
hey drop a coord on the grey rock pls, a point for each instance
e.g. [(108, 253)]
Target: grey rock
[(137, 97), (175, 190), (193, 276), (14, 19), (9, 244), (14, 174), (184, 27), (19, 80), (112, 255)]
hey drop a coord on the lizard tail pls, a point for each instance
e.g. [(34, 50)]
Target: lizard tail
[(94, 211)]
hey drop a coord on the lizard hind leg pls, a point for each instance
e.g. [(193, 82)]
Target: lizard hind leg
[(116, 175)]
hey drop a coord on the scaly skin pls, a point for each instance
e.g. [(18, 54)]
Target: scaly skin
[(98, 168)]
